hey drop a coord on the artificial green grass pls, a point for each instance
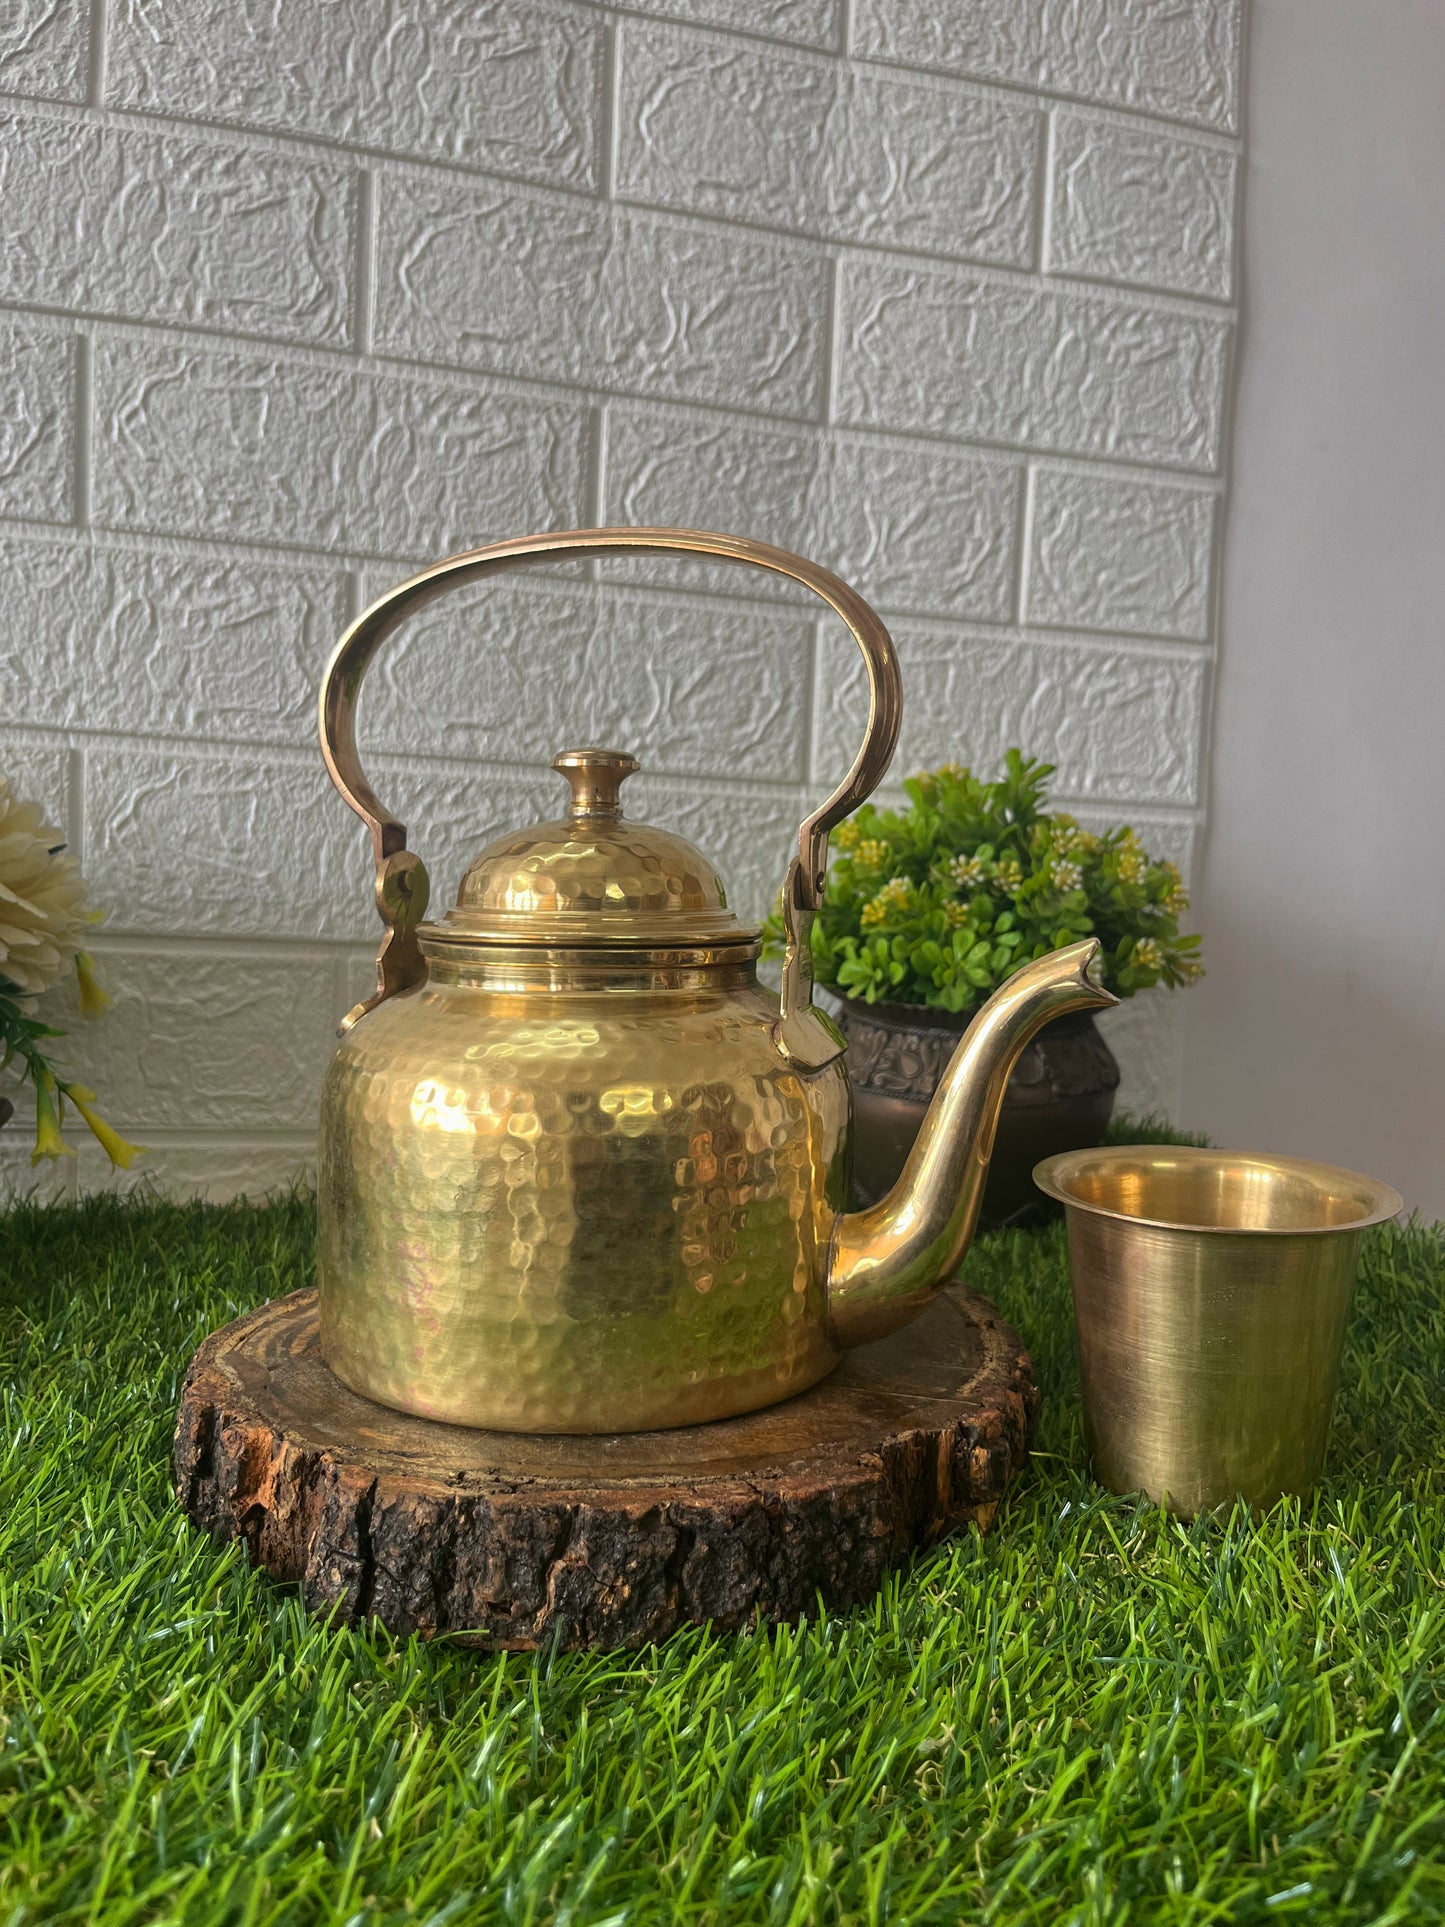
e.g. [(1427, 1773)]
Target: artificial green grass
[(1094, 1714)]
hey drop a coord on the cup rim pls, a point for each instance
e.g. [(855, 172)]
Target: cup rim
[(1052, 1175)]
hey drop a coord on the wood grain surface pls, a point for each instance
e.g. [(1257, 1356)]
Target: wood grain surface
[(519, 1540)]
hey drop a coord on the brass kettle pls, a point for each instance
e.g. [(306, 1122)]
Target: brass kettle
[(579, 1170)]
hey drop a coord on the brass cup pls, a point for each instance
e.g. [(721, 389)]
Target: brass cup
[(1211, 1290)]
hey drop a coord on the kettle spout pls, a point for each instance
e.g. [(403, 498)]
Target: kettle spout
[(885, 1263)]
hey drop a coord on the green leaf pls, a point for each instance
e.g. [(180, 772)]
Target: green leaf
[(920, 957)]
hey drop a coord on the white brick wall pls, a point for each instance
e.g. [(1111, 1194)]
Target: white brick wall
[(294, 299)]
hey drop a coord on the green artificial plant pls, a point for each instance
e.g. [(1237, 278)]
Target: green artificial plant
[(938, 904)]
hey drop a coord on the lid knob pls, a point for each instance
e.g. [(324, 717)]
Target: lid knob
[(596, 776)]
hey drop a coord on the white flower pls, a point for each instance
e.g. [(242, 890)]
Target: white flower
[(42, 897), (1067, 876)]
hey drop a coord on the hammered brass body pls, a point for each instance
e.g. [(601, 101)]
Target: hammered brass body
[(1211, 1293), (555, 1206), (579, 1171)]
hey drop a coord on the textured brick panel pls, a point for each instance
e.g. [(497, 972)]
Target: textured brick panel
[(170, 644), (190, 440), (1117, 723), (211, 841), (127, 222), (784, 317), (711, 473), (1176, 58), (912, 527), (805, 23), (1025, 365), (728, 128), (1113, 554), (569, 291), (523, 670), (217, 1172), (204, 841), (212, 1038), (1146, 1034), (36, 765), (504, 85), (44, 48), (922, 529), (37, 420), (1131, 205)]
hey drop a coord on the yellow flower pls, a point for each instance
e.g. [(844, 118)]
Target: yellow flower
[(1148, 955), (895, 895), (110, 1141), (1131, 864), (847, 835), (1009, 874), (929, 779), (1176, 899), (93, 1000), (48, 1141), (871, 853), (955, 914)]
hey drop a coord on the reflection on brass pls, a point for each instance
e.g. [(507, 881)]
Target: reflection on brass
[(579, 1170), (1211, 1290), (805, 1036), (887, 1259), (593, 877)]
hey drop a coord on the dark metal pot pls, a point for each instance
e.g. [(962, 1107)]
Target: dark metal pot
[(1060, 1097)]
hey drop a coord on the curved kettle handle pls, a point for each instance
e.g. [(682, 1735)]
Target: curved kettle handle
[(802, 1036)]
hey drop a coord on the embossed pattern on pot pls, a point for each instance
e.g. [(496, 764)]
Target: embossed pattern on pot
[(568, 1146)]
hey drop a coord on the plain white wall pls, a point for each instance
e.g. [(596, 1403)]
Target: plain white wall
[(293, 299), (1320, 1029)]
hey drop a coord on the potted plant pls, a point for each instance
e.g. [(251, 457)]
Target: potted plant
[(42, 920), (926, 912)]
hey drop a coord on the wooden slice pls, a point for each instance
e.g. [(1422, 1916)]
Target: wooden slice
[(519, 1540)]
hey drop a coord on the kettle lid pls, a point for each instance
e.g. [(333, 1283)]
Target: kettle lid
[(592, 877)]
